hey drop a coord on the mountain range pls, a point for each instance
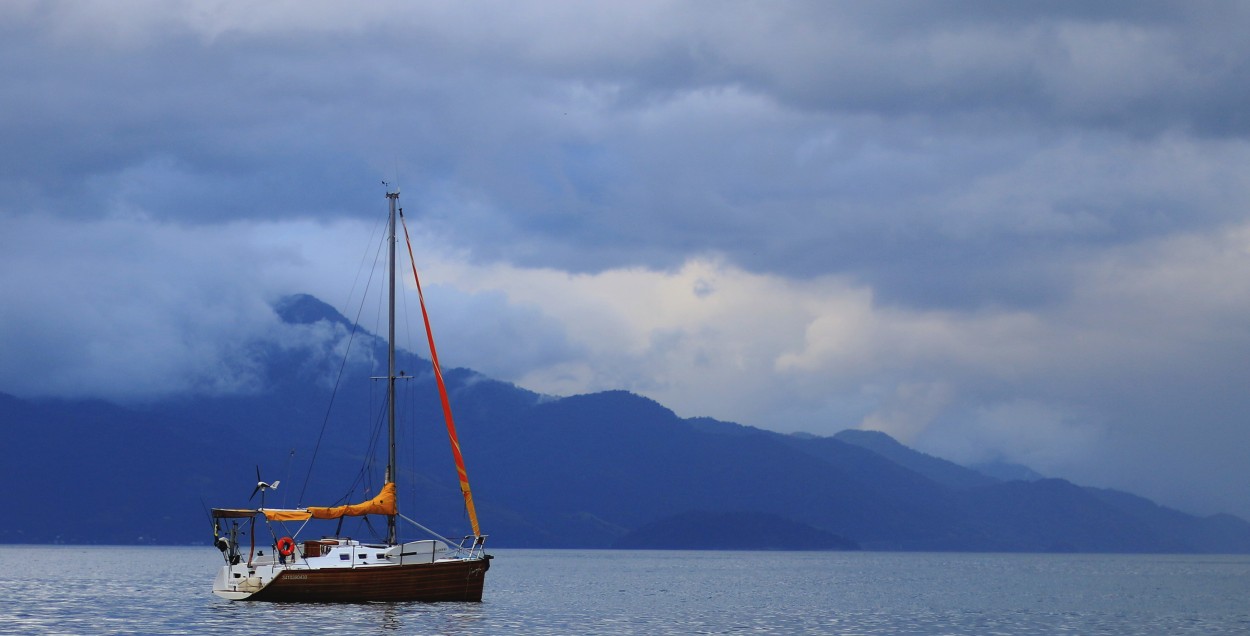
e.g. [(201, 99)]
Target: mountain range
[(602, 470)]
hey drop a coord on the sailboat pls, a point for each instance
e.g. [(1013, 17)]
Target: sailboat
[(342, 569)]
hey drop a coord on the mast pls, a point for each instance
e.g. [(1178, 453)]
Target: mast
[(392, 197)]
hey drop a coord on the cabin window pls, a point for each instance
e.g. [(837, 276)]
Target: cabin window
[(344, 557), (379, 556)]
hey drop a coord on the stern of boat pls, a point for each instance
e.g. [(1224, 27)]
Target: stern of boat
[(231, 588)]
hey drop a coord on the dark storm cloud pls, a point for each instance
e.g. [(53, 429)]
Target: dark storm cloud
[(834, 129)]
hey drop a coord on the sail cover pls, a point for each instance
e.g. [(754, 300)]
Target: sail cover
[(382, 504)]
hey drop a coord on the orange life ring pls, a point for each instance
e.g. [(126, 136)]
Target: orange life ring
[(286, 546)]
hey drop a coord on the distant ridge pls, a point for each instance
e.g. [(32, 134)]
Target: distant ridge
[(589, 471), (939, 470)]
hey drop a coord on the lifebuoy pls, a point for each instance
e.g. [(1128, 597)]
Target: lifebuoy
[(286, 546)]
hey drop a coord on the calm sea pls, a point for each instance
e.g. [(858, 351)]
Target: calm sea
[(153, 590)]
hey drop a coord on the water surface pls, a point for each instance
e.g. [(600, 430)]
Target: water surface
[(164, 590)]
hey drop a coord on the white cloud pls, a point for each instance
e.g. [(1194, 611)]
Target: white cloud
[(1047, 437), (909, 411), (131, 308)]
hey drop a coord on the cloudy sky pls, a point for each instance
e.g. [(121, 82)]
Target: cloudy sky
[(1012, 231)]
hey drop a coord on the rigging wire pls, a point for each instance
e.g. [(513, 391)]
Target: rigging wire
[(364, 476), (363, 479), (338, 379)]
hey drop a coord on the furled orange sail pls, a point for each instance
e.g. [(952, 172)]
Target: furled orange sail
[(442, 392), (382, 504)]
